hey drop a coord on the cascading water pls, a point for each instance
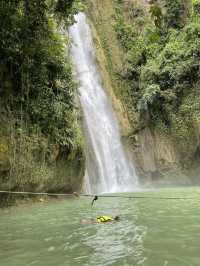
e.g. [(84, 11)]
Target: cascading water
[(107, 168)]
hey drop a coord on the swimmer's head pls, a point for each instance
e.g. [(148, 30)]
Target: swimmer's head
[(116, 218)]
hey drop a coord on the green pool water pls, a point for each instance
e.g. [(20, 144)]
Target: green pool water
[(151, 232)]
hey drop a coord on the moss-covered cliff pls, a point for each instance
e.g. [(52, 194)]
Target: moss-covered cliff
[(152, 57), (41, 145)]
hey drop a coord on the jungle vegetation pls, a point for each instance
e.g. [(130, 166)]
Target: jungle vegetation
[(38, 113), (36, 76), (162, 67)]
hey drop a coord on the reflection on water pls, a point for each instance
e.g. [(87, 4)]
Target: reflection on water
[(150, 232)]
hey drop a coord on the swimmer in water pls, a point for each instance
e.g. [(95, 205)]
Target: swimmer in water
[(101, 219)]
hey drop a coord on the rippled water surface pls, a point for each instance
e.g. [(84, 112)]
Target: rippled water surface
[(151, 232)]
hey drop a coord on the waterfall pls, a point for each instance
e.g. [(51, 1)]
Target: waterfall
[(107, 168)]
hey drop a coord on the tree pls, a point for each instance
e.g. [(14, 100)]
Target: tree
[(156, 13), (174, 13)]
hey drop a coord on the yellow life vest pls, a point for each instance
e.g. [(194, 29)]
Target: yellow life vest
[(104, 219)]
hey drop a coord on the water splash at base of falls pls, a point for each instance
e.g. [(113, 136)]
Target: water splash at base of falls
[(107, 167)]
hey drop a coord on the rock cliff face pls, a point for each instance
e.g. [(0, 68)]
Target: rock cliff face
[(41, 144), (107, 80), (32, 164), (159, 157), (156, 152)]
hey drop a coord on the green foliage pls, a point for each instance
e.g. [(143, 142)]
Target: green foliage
[(156, 14), (168, 13), (65, 10), (35, 71), (149, 97), (125, 33), (196, 6), (162, 68), (43, 142), (174, 13)]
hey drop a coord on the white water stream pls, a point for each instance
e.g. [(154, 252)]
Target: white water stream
[(107, 168)]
